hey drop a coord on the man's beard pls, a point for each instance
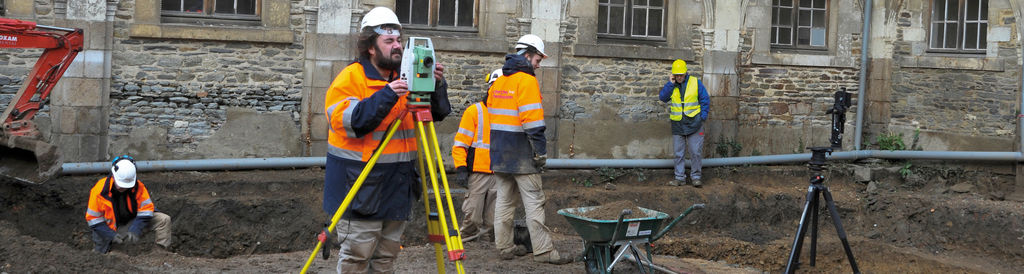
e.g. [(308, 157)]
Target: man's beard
[(385, 61)]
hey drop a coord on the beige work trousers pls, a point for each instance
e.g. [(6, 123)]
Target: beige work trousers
[(529, 188), (162, 228), (478, 208), (368, 246)]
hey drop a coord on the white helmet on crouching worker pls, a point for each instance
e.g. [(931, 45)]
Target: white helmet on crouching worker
[(123, 171), (382, 20), (493, 76), (530, 41)]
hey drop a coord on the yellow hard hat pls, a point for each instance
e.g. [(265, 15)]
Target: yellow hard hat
[(679, 67)]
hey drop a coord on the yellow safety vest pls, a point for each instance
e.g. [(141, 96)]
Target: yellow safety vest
[(688, 105)]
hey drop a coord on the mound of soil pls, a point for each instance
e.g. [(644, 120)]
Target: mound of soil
[(266, 221), (611, 211)]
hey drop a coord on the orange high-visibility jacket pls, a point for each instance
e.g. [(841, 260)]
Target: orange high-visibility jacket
[(473, 140), (101, 208), (360, 106), (517, 118)]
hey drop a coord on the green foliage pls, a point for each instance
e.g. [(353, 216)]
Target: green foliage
[(890, 141), (583, 182), (728, 148), (905, 171), (755, 152), (915, 145)]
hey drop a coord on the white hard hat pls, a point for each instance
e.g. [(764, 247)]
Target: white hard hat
[(379, 16), (124, 173), (493, 76), (531, 40)]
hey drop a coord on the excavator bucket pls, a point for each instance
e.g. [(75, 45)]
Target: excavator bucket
[(27, 159)]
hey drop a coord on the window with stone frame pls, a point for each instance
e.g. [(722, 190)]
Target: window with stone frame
[(799, 24), (958, 26), (644, 19), (210, 11), (438, 14)]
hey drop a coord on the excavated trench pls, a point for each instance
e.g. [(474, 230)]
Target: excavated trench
[(750, 219)]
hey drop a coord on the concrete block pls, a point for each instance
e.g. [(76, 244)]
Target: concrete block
[(276, 13), (20, 9), (90, 10), (553, 50), (318, 148), (861, 174), (77, 67), (307, 72), (85, 120), (309, 45), (880, 69), (878, 112), (147, 12), (246, 133), (97, 35), (323, 73), (999, 34), (319, 127), (316, 101), (720, 62), (94, 62), (335, 47), (879, 90), (725, 108), (721, 85), (550, 103), (549, 79), (80, 92)]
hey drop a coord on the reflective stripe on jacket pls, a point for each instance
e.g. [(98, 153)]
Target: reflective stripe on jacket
[(473, 140), (517, 118), (101, 208), (360, 107), (689, 104)]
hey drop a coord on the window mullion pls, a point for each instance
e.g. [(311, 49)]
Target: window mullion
[(627, 18)]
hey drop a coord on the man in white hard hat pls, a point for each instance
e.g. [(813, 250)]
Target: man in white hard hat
[(519, 151), (472, 158), (120, 209), (363, 100)]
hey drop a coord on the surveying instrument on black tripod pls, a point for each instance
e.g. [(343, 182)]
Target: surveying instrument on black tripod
[(442, 227), (816, 165)]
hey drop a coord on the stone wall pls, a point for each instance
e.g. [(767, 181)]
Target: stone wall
[(188, 86), (965, 102)]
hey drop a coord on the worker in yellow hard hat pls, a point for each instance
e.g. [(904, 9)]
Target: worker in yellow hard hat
[(689, 105)]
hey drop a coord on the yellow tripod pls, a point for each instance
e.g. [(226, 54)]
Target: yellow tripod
[(439, 228)]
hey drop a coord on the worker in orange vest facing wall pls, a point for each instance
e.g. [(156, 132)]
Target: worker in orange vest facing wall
[(519, 151), (471, 153), (120, 209), (361, 103)]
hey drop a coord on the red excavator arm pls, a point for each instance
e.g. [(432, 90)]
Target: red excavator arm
[(61, 49), (23, 156)]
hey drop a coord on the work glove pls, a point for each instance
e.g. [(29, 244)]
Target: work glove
[(131, 238), (325, 242), (539, 161), (118, 239), (462, 176)]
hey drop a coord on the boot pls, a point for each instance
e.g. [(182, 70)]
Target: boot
[(676, 182), (696, 183), (551, 257)]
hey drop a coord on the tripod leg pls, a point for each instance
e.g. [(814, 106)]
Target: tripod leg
[(814, 225), (794, 255), (451, 237), (433, 231), (839, 229)]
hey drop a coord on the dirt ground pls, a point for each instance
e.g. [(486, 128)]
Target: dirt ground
[(947, 219)]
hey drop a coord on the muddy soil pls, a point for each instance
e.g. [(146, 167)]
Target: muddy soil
[(266, 221)]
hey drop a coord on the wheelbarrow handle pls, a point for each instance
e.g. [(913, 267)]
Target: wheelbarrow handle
[(674, 221), (615, 234)]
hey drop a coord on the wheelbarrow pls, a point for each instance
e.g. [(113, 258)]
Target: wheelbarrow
[(603, 238)]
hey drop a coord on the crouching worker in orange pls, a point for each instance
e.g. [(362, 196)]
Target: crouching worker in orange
[(471, 153), (120, 209)]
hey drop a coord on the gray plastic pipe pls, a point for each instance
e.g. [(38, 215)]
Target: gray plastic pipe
[(304, 162), (865, 36)]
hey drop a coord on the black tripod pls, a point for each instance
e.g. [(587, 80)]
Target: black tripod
[(816, 165)]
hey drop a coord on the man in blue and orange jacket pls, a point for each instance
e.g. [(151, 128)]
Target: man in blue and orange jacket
[(364, 99), (519, 151)]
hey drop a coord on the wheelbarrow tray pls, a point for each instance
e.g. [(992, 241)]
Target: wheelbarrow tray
[(595, 231)]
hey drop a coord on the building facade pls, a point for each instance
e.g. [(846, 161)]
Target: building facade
[(190, 79)]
